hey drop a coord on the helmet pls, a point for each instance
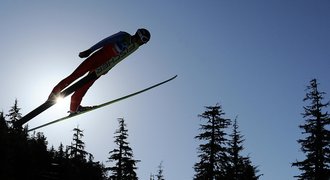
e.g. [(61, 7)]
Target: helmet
[(143, 34)]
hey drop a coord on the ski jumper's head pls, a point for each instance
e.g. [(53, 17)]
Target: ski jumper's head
[(142, 36)]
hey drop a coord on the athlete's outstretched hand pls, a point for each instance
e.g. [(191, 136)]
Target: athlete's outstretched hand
[(85, 53)]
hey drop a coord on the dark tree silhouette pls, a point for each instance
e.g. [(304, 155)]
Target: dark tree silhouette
[(17, 156), (316, 143), (240, 167), (213, 153), (3, 146), (74, 163), (60, 155), (125, 165), (14, 113), (24, 156), (77, 148), (159, 175)]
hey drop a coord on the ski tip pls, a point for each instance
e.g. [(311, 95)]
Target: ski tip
[(170, 79), (174, 77)]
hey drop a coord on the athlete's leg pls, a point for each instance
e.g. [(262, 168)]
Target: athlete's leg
[(99, 58), (82, 69), (90, 64), (76, 98)]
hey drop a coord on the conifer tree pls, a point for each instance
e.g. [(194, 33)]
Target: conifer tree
[(77, 148), (240, 166), (77, 165), (17, 146), (122, 156), (14, 113), (316, 143), (213, 152), (24, 156), (60, 154), (160, 175)]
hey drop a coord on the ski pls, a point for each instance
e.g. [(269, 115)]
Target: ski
[(104, 104)]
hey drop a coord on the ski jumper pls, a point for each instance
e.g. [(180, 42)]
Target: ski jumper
[(106, 49)]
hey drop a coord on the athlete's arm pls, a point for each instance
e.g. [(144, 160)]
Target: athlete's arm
[(106, 41)]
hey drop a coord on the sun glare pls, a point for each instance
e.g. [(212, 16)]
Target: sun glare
[(60, 102), (59, 99)]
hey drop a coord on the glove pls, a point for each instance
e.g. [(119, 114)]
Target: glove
[(85, 53)]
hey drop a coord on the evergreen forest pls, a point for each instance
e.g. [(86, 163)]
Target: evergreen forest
[(220, 150)]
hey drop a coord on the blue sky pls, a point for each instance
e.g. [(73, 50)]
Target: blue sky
[(254, 57)]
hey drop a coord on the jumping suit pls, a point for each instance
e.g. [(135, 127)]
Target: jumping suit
[(106, 49)]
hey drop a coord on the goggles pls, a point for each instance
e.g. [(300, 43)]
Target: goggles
[(143, 38)]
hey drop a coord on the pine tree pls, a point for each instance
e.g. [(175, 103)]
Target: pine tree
[(160, 175), (240, 166), (77, 148), (60, 155), (125, 165), (213, 153), (18, 157), (316, 143), (14, 113)]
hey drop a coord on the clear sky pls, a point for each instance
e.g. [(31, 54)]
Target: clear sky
[(254, 57)]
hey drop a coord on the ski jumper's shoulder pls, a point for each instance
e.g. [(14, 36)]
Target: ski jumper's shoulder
[(113, 39)]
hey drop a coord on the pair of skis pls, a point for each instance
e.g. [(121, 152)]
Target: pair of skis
[(70, 90)]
